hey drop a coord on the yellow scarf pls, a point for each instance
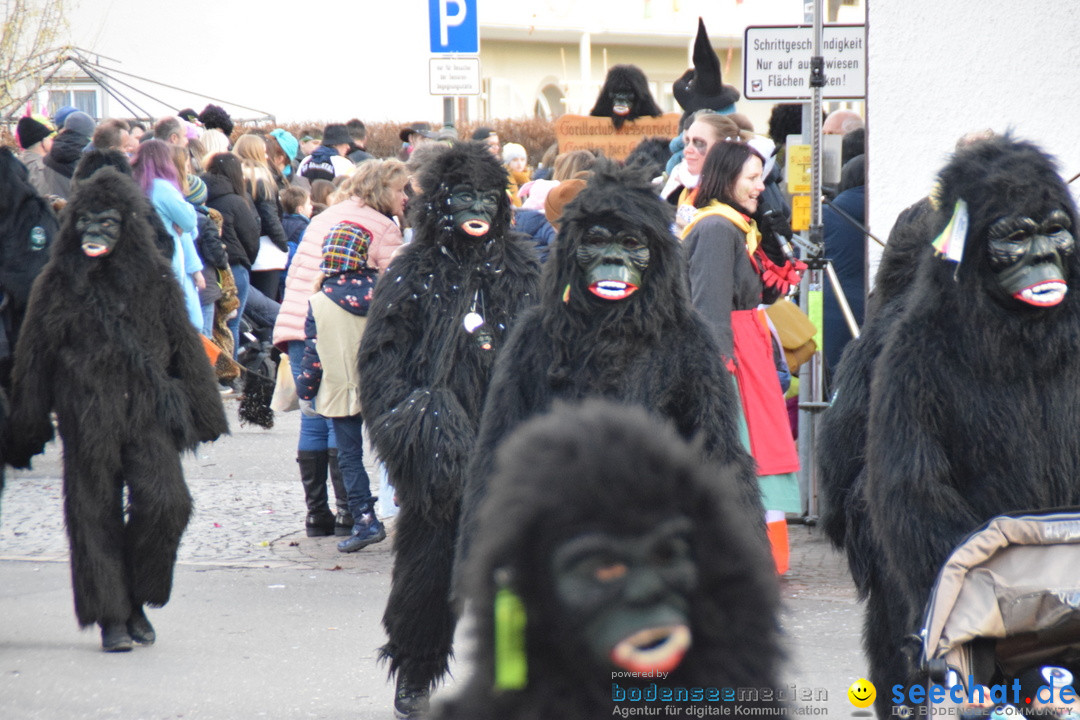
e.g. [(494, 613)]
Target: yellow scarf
[(715, 207)]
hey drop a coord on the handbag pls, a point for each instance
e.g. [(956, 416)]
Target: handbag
[(285, 398), (270, 256), (795, 330)]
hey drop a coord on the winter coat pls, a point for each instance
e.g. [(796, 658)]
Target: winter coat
[(240, 230), (269, 208), (336, 319), (61, 161), (304, 269), (534, 224)]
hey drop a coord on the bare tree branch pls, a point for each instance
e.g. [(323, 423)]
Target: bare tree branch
[(31, 28)]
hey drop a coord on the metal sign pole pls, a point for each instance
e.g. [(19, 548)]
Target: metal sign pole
[(812, 380)]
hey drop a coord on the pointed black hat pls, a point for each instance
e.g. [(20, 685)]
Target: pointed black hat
[(701, 86)]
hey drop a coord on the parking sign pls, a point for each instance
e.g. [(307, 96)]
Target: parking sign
[(453, 26)]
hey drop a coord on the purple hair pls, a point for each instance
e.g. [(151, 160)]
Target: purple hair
[(154, 160)]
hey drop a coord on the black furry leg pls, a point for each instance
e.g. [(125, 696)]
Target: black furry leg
[(94, 514), (418, 619), (885, 639), (160, 507)]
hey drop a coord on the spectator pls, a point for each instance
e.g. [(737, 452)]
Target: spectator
[(155, 171), (328, 384), (328, 161), (214, 117), (530, 219), (357, 152), (273, 245), (296, 209), (706, 129), (35, 136), (845, 246), (172, 130), (66, 150), (516, 162), (281, 149), (413, 136), (365, 204), (489, 138), (111, 134), (841, 122), (214, 141), (224, 178), (725, 286)]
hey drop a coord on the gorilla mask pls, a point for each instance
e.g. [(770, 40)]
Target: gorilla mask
[(472, 211), (99, 231), (629, 596), (612, 261), (1027, 257)]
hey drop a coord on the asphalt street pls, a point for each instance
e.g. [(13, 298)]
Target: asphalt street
[(265, 622)]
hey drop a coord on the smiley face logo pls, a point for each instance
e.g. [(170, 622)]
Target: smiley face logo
[(862, 693)]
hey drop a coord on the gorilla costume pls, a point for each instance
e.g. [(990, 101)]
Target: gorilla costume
[(960, 400), (27, 229), (615, 320), (108, 347), (438, 316), (625, 96), (627, 556)]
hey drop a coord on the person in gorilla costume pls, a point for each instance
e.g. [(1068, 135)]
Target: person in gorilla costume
[(27, 229), (614, 320), (625, 96), (438, 316), (626, 555), (107, 347), (958, 402)]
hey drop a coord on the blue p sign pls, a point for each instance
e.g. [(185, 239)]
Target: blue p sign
[(453, 26)]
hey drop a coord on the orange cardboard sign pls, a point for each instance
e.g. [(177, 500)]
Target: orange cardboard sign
[(584, 132)]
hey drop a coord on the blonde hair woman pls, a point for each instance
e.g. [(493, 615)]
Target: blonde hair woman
[(273, 243)]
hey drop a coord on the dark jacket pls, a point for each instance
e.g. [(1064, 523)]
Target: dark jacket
[(61, 161), (240, 231), (535, 224), (269, 208)]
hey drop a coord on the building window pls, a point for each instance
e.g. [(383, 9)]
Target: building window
[(84, 100)]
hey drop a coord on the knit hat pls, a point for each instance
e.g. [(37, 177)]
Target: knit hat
[(81, 123), (535, 192), (32, 130), (287, 142), (336, 134), (513, 151), (196, 194), (702, 87), (558, 197), (61, 115), (345, 248)]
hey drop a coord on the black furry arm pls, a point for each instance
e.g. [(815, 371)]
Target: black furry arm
[(416, 422), (29, 426), (199, 414), (917, 513)]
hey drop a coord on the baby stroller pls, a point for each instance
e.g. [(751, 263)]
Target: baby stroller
[(1005, 614)]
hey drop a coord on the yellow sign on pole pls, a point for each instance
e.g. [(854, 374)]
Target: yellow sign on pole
[(798, 169), (800, 212)]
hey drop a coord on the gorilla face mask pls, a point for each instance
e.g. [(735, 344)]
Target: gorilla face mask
[(471, 210), (622, 103), (613, 263), (100, 231), (1028, 257), (628, 597)]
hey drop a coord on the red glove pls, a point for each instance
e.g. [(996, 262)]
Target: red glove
[(777, 278)]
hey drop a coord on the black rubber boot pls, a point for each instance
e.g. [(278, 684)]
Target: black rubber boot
[(411, 699), (313, 467), (115, 638), (344, 521), (139, 628)]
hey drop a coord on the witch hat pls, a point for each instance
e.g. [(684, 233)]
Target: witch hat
[(701, 87)]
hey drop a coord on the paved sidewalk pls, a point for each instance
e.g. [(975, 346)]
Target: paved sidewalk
[(267, 623)]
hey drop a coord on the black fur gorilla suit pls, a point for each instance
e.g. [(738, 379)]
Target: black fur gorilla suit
[(626, 553), (106, 344), (960, 400), (438, 316), (649, 348)]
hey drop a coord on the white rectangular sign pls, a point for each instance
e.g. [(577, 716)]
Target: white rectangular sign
[(776, 62), (454, 76)]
